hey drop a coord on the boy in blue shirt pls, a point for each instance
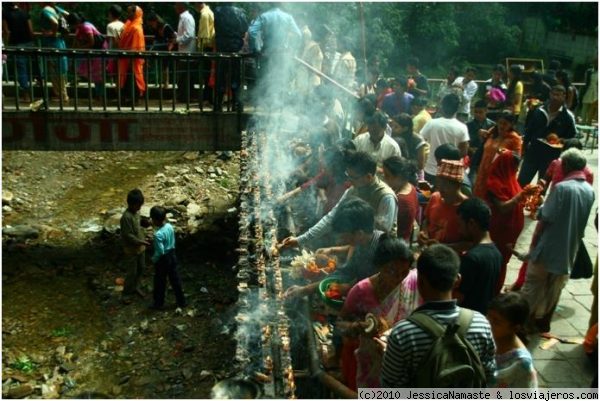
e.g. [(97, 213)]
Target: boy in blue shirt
[(165, 262)]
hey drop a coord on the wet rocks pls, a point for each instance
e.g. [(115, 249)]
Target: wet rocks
[(49, 233), (193, 209), (50, 391), (21, 391), (190, 155), (67, 367), (170, 182), (113, 223), (144, 326), (187, 374), (116, 390), (59, 352), (205, 374), (7, 197), (18, 377), (21, 231), (178, 199)]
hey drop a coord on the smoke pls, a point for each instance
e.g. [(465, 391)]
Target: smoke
[(289, 112), (286, 131)]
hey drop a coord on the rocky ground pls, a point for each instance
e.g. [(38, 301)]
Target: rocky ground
[(65, 332)]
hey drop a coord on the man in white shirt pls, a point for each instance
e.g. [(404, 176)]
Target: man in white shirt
[(115, 26), (186, 43), (345, 69), (375, 142), (445, 129), (469, 87)]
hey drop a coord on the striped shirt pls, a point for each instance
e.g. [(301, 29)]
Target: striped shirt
[(408, 344)]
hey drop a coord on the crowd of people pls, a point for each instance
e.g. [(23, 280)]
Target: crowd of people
[(398, 208), (428, 216), (224, 30), (228, 29)]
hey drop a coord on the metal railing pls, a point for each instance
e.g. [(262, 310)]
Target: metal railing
[(190, 75)]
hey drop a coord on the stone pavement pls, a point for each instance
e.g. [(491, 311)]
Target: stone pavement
[(565, 365)]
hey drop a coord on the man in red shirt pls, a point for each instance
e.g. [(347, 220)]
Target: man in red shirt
[(441, 224)]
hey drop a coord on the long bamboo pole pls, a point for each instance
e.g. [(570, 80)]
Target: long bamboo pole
[(363, 39), (319, 73)]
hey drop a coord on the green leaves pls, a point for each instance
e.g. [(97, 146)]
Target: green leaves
[(24, 364), (61, 332)]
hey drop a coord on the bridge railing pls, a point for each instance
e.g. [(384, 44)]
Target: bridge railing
[(167, 76)]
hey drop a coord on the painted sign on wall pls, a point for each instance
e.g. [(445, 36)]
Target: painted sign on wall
[(130, 131)]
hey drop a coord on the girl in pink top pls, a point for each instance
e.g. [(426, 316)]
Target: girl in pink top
[(390, 295)]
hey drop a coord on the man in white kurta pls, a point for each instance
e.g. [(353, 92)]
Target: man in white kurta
[(375, 142)]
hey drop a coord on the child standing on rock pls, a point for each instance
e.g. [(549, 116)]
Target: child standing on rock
[(134, 245), (165, 262)]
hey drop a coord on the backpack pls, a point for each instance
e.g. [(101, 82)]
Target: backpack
[(451, 361)]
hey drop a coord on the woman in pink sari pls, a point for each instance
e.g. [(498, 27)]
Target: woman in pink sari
[(390, 295), (85, 38)]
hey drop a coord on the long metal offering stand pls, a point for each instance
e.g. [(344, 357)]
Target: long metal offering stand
[(277, 350), (263, 328)]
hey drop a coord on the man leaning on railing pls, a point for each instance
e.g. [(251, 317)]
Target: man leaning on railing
[(53, 26), (17, 30)]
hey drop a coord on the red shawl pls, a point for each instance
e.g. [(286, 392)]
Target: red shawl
[(505, 228), (502, 180)]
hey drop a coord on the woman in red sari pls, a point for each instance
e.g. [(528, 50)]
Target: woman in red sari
[(502, 136), (132, 38), (505, 198)]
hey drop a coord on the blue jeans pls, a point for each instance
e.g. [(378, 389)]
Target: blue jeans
[(23, 68), (166, 267)]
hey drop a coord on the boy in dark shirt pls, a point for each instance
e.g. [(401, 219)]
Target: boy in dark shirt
[(134, 244), (479, 122), (165, 262), (420, 87), (480, 266)]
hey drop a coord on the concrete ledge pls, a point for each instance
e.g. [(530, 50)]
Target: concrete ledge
[(96, 131)]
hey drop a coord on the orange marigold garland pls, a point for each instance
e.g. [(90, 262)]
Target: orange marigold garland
[(533, 199)]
